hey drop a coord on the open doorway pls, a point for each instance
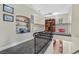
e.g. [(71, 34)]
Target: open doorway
[(50, 25)]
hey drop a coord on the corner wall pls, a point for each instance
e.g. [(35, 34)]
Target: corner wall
[(75, 27)]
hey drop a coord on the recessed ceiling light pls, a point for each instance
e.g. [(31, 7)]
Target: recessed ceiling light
[(55, 13)]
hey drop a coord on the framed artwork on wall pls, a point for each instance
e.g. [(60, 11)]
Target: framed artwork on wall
[(32, 19), (8, 9), (8, 18)]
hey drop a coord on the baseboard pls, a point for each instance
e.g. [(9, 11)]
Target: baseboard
[(12, 45)]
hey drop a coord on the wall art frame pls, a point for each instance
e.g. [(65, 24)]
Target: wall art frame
[(8, 9), (8, 18)]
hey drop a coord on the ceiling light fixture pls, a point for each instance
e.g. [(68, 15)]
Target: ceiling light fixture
[(55, 13)]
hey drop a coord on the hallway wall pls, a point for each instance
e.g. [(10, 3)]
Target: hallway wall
[(38, 27), (75, 28), (66, 22), (8, 36), (7, 31)]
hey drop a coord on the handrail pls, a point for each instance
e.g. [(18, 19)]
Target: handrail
[(47, 36), (76, 52)]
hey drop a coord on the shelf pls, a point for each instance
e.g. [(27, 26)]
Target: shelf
[(20, 25), (22, 21), (64, 24)]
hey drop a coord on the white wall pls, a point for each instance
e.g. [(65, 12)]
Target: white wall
[(63, 16), (75, 28), (7, 31), (38, 19), (38, 28), (8, 36)]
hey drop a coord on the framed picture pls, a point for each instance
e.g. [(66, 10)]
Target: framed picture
[(8, 9), (8, 18), (32, 18)]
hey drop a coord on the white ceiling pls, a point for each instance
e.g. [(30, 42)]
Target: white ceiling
[(47, 9)]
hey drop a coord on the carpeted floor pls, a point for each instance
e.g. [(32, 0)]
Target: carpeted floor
[(24, 48)]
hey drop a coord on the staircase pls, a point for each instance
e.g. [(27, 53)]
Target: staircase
[(41, 40)]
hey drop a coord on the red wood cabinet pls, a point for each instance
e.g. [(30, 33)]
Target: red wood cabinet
[(48, 22)]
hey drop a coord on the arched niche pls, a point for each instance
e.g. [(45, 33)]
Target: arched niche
[(22, 24)]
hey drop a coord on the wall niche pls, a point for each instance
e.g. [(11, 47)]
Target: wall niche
[(22, 24)]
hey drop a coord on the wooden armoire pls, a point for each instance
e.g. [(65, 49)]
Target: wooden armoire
[(50, 25)]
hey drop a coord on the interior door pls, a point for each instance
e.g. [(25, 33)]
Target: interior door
[(50, 25)]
